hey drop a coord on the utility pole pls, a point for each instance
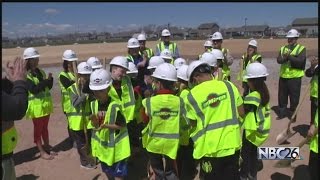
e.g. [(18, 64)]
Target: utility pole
[(245, 27)]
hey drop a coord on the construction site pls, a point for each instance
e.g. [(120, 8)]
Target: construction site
[(147, 98)]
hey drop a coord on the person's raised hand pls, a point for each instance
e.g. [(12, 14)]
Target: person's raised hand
[(16, 70)]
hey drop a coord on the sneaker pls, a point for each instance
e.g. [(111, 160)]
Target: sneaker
[(88, 166)]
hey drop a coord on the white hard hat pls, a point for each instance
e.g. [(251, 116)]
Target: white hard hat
[(255, 70), (166, 54), (69, 55), (217, 53), (154, 62), (100, 79), (216, 36), (94, 62), (165, 71), (209, 58), (30, 53), (253, 43), (292, 33), (193, 66), (208, 43), (165, 32), (120, 61), (84, 68), (141, 37), (133, 43), (132, 68), (179, 62), (182, 72)]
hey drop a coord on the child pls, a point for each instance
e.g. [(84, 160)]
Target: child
[(164, 112), (40, 104), (110, 140), (257, 119)]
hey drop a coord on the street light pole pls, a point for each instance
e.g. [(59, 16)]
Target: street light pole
[(245, 27)]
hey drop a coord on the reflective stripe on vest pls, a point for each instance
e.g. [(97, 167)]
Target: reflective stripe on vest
[(225, 67), (106, 145), (127, 98), (9, 137), (314, 86), (172, 47), (149, 52), (314, 141), (40, 104), (254, 58), (217, 125), (65, 98), (78, 117), (162, 133), (257, 124), (286, 71)]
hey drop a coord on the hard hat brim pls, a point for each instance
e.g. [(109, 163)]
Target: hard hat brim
[(84, 72), (133, 46), (252, 77), (70, 59), (163, 78), (34, 56), (132, 72), (288, 36), (185, 79), (101, 87)]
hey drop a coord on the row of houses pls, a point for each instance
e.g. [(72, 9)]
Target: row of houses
[(308, 27)]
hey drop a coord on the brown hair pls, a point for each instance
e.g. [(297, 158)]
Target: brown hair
[(260, 86)]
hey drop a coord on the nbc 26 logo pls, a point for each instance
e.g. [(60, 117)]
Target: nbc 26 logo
[(278, 153)]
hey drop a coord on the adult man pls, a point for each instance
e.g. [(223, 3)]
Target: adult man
[(213, 108), (313, 73), (250, 56), (228, 59), (143, 49), (292, 58), (167, 44), (13, 107), (207, 47)]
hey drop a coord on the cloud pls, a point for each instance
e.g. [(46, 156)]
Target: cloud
[(51, 11), (48, 26), (5, 24)]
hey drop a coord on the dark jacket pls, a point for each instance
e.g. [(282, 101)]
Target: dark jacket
[(14, 100)]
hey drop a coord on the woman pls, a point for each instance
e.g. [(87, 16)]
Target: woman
[(257, 120), (40, 101)]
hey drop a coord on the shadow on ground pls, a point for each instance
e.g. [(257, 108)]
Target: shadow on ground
[(25, 155), (280, 176), (28, 177), (302, 129), (301, 172)]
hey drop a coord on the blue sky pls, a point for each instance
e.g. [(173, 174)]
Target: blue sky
[(25, 18)]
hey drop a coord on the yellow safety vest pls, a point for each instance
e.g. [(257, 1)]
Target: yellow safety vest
[(254, 58), (127, 98), (257, 124), (138, 109), (108, 145), (65, 98), (217, 133), (40, 104), (314, 141), (78, 117), (9, 137), (185, 123), (314, 86), (209, 50), (149, 52), (286, 71), (161, 135), (225, 67), (172, 47)]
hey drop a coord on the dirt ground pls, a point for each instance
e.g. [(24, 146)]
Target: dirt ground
[(67, 166)]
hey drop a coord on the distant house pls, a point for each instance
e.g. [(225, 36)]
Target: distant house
[(233, 32), (123, 35), (207, 29), (177, 33), (83, 37), (257, 30), (193, 33), (278, 31), (306, 26)]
